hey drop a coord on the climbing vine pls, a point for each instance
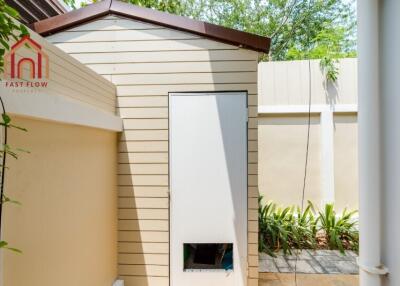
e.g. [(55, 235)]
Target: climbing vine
[(10, 30)]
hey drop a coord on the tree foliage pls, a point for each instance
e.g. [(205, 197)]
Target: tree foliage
[(299, 29)]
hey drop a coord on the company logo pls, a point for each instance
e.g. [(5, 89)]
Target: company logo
[(26, 65)]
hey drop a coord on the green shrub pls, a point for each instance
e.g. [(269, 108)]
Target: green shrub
[(291, 228), (285, 228), (340, 231)]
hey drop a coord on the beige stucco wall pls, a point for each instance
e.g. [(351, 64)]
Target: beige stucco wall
[(346, 161), (282, 145), (286, 83), (332, 174), (67, 223)]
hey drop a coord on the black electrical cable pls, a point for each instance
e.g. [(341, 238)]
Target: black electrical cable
[(307, 153), (306, 160), (3, 167)]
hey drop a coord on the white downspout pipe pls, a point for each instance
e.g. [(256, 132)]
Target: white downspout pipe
[(370, 182), (390, 114)]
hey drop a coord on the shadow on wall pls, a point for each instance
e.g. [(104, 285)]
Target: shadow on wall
[(234, 167), (331, 91), (143, 223)]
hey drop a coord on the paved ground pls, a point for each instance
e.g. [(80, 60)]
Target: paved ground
[(311, 262), (287, 279)]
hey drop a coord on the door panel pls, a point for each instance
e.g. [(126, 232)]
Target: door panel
[(208, 184)]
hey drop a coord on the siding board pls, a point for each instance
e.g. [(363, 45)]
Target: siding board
[(143, 259), (143, 191), (142, 46), (119, 35), (143, 236), (144, 135), (140, 248), (157, 89), (143, 169), (195, 78), (144, 270), (143, 214), (135, 113), (180, 67), (150, 225), (166, 56)]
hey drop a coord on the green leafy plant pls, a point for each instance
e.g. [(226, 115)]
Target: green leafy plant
[(329, 68), (291, 228), (9, 29), (4, 151), (273, 231), (285, 228), (304, 228), (340, 231)]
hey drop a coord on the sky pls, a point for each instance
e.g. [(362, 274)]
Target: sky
[(78, 3)]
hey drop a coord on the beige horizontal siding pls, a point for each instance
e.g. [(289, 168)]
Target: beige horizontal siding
[(71, 79), (151, 259), (111, 24), (144, 270), (157, 90), (193, 78), (143, 157), (143, 236), (143, 146), (147, 203), (143, 46), (145, 280), (141, 101), (143, 180), (145, 124), (150, 225), (142, 213), (146, 63), (143, 169), (120, 35), (144, 135), (143, 191), (179, 67), (143, 112), (166, 56), (134, 247)]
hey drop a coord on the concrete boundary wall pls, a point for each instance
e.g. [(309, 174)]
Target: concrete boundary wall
[(284, 95)]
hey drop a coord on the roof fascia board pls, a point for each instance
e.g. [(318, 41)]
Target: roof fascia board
[(219, 33), (97, 10), (73, 18)]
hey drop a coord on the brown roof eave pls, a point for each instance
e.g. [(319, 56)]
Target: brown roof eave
[(219, 33), (72, 18)]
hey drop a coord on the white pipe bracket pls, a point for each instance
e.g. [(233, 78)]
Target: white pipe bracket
[(375, 270)]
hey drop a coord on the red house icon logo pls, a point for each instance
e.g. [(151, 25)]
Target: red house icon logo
[(17, 65)]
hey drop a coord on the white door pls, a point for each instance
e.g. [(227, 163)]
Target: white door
[(208, 181)]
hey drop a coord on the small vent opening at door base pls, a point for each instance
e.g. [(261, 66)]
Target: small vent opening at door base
[(207, 257)]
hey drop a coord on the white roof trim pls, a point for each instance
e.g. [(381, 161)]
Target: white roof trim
[(299, 109)]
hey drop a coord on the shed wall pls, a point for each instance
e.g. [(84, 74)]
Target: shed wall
[(146, 62)]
